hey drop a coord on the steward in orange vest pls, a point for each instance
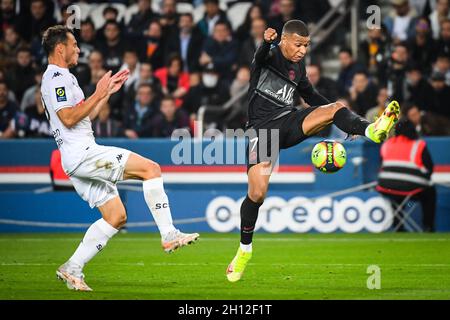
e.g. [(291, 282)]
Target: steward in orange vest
[(406, 169)]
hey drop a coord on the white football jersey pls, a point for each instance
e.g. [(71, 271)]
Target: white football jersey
[(60, 90)]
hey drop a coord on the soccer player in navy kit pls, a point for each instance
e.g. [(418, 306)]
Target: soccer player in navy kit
[(278, 73)]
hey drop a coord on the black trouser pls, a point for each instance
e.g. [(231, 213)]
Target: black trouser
[(427, 199)]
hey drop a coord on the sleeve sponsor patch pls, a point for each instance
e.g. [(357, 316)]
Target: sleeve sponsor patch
[(61, 94)]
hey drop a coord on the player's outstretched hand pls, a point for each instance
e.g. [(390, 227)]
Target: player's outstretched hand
[(103, 84), (270, 35), (117, 81)]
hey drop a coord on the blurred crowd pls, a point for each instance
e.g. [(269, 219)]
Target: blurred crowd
[(179, 62)]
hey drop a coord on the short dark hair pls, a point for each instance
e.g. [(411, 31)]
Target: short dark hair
[(145, 85), (23, 49), (223, 22), (405, 127), (211, 1), (110, 9), (168, 97), (187, 14), (316, 65), (114, 22), (54, 36), (346, 50), (88, 21), (172, 57), (363, 72), (296, 26), (442, 55)]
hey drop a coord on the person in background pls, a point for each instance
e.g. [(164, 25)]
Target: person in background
[(104, 126), (326, 86), (138, 116), (174, 80), (372, 53), (9, 47), (236, 116), (8, 110), (363, 93), (286, 12), (28, 98), (87, 41), (443, 43), (442, 65), (41, 18), (418, 89), (110, 13), (348, 68), (243, 31), (440, 100), (422, 47), (10, 95), (169, 17), (141, 19), (8, 16), (396, 72), (33, 123), (152, 47), (439, 14), (207, 90), (401, 21), (249, 46), (188, 43), (221, 51), (21, 76), (147, 76), (169, 119), (375, 112), (406, 169), (213, 14), (113, 47), (131, 62)]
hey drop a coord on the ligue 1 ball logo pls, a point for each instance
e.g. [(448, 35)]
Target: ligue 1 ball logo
[(328, 156)]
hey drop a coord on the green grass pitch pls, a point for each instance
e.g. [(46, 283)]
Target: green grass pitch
[(284, 266)]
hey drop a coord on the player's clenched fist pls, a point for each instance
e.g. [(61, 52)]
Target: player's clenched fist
[(270, 35)]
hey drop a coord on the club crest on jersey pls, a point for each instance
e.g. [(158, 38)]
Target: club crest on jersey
[(61, 94), (292, 75)]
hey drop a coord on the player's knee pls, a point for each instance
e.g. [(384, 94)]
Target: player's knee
[(121, 220), (257, 195), (117, 218), (332, 108), (337, 106), (152, 170)]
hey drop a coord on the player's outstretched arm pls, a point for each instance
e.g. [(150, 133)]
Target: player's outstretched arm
[(106, 86), (270, 35)]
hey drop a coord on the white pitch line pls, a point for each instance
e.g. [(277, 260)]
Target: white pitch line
[(257, 239), (141, 264)]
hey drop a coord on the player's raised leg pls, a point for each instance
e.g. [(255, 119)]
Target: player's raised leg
[(258, 184), (350, 122), (96, 237), (138, 167)]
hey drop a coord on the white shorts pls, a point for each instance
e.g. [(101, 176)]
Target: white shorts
[(96, 176)]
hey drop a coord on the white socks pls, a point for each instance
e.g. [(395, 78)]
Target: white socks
[(93, 242), (157, 201), (246, 247)]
